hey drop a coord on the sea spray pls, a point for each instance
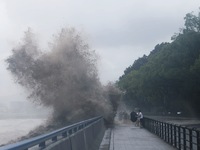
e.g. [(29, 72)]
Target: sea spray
[(64, 78)]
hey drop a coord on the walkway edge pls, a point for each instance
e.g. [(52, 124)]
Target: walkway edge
[(105, 144)]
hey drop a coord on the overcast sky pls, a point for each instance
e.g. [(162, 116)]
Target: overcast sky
[(120, 31)]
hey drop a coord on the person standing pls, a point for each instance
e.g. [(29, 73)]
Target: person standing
[(140, 118), (137, 121)]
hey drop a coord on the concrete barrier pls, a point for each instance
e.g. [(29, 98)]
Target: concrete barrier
[(63, 144), (88, 138), (99, 130), (78, 141)]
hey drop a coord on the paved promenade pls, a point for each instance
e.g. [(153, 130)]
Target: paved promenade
[(129, 137)]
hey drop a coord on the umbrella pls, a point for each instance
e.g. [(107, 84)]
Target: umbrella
[(133, 116)]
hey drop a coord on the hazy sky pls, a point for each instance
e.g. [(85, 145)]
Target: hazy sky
[(119, 31)]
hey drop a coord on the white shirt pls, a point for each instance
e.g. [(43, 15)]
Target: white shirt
[(140, 115)]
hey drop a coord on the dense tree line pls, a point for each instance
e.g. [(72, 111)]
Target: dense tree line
[(168, 79)]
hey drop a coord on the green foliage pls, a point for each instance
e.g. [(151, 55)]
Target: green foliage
[(168, 78), (192, 22)]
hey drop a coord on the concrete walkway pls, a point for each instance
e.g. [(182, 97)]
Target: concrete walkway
[(129, 137)]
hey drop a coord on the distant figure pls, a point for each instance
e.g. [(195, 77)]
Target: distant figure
[(140, 119)]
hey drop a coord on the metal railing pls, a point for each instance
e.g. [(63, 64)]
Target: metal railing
[(54, 136), (181, 137)]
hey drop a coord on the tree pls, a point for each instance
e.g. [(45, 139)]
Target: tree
[(168, 79), (192, 22)]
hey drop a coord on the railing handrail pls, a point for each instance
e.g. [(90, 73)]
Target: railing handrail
[(178, 125), (22, 145), (181, 137)]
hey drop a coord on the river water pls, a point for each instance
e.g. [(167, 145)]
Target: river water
[(11, 129)]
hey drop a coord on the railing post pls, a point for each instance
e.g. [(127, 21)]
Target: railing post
[(70, 132), (158, 128), (148, 124), (155, 128), (64, 134), (198, 140), (54, 138), (74, 130), (171, 134), (161, 129), (152, 126), (190, 139), (184, 138), (179, 137), (168, 133), (165, 131), (42, 145), (151, 122), (175, 137)]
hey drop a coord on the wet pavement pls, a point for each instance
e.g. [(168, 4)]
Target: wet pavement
[(129, 137)]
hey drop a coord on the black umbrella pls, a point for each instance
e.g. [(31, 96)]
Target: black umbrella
[(133, 116)]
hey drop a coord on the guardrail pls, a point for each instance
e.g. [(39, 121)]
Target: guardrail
[(41, 141), (181, 137)]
